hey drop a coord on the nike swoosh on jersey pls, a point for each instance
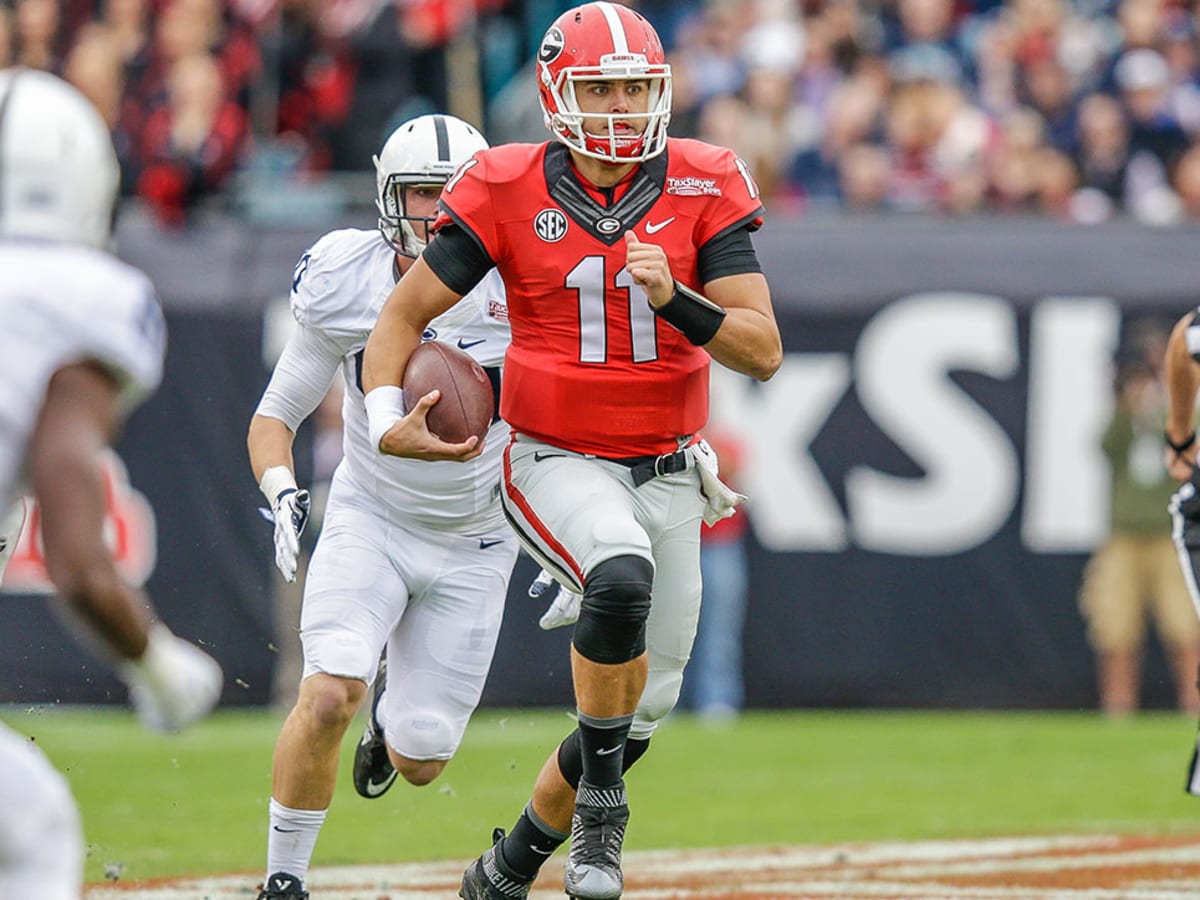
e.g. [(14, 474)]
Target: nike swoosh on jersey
[(467, 345), (374, 790), (483, 545), (652, 227)]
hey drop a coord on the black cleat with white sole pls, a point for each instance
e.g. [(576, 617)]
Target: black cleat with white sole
[(373, 770), (283, 886)]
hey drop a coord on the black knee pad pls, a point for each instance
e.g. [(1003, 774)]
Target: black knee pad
[(612, 616), (570, 756)]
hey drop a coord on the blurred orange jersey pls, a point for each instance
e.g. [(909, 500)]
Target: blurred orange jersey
[(590, 367)]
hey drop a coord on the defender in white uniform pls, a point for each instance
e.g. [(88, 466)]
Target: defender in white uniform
[(414, 556), (81, 342)]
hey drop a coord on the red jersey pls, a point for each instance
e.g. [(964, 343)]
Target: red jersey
[(590, 367)]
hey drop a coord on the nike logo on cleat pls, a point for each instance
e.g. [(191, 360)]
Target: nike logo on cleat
[(483, 545), (467, 345), (651, 227), (374, 790)]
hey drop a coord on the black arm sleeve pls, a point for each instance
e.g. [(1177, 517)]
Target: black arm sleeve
[(729, 253), (457, 259)]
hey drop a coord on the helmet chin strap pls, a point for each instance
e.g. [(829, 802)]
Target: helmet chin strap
[(408, 238)]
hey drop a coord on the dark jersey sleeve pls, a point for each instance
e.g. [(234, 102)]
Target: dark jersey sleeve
[(457, 259), (729, 253)]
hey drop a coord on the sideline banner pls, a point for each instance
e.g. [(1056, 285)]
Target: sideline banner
[(925, 475)]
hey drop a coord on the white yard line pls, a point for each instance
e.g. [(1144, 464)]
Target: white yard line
[(904, 870)]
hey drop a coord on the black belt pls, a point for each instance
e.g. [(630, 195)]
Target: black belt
[(644, 468)]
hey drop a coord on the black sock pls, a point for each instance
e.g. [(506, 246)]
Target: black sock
[(602, 743), (529, 844)]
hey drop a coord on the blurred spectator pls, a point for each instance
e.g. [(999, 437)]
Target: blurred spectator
[(6, 37), (186, 28), (1134, 575), (926, 28), (315, 77), (191, 144), (939, 144), (713, 51), (1047, 89), (1103, 158), (1012, 168), (1144, 80), (94, 65), (855, 117), (36, 33), (1187, 184), (864, 178), (1055, 184)]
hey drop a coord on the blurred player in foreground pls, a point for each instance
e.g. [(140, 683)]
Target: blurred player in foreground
[(628, 263), (414, 557), (81, 342)]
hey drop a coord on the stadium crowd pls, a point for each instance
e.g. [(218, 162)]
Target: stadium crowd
[(1080, 111)]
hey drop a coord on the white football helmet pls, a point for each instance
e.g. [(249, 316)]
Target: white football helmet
[(58, 170), (424, 150)]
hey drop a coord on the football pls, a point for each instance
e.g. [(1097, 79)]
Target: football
[(467, 403)]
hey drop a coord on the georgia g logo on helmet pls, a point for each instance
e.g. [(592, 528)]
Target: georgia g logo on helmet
[(552, 45)]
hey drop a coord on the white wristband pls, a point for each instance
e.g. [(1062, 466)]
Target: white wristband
[(385, 407), (275, 481)]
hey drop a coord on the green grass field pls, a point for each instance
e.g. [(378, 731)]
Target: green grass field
[(196, 803)]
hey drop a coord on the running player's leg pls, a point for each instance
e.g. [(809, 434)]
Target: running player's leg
[(353, 597), (440, 652)]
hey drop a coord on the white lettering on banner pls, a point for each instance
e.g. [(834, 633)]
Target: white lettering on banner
[(970, 465), (1070, 400), (793, 506), (971, 480)]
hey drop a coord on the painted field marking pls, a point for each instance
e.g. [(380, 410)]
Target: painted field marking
[(1064, 867)]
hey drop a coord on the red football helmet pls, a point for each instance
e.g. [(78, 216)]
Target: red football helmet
[(602, 42)]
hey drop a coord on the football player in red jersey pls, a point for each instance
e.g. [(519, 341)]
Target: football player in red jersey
[(628, 264)]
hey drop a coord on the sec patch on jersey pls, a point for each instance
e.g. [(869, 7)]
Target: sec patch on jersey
[(467, 403)]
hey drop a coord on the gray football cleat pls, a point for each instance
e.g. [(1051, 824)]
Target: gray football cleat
[(489, 879), (593, 869), (374, 773)]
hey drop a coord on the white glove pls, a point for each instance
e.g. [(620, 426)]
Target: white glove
[(289, 512), (173, 684), (722, 500), (11, 524), (565, 608)]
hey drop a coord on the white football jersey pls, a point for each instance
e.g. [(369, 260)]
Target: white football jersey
[(62, 304), (339, 288)]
